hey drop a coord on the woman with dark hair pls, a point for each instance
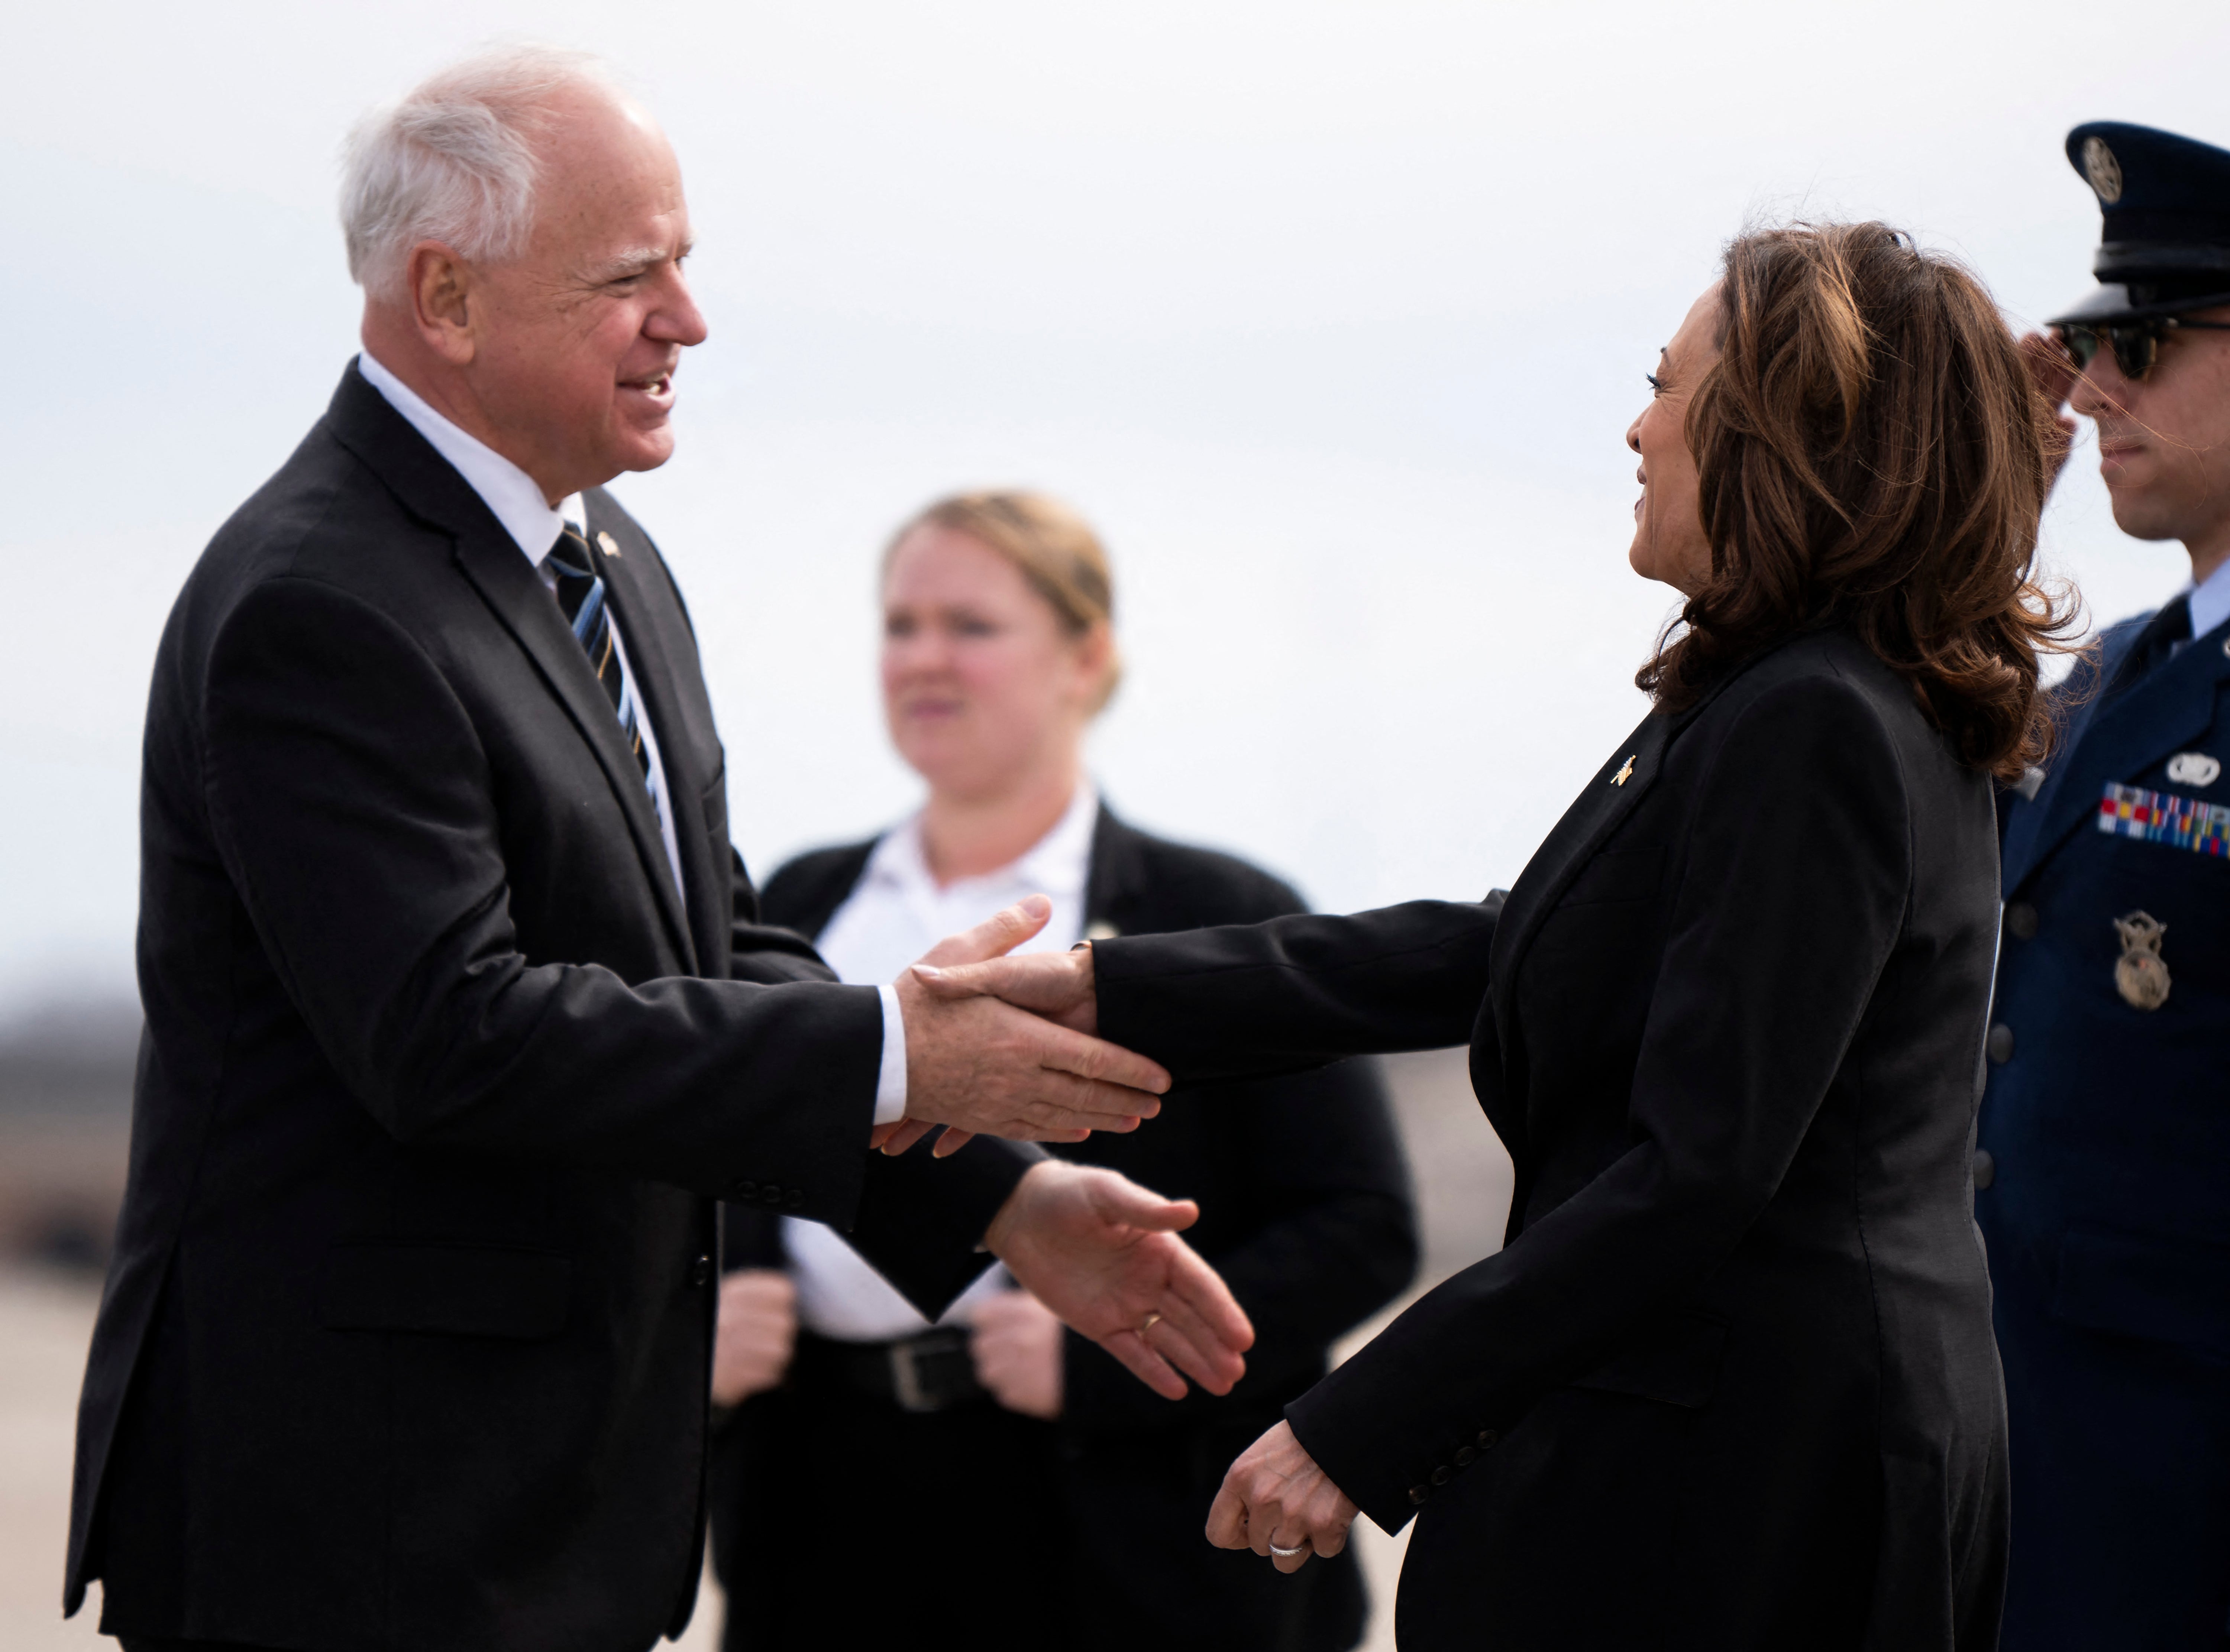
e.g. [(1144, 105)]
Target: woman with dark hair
[(1022, 1495), (1731, 1382)]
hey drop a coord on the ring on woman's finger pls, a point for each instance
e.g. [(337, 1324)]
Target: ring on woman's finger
[(1152, 1321), (1287, 1554)]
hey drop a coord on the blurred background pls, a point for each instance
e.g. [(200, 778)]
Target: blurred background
[(1330, 316)]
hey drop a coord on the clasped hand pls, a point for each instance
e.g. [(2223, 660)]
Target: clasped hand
[(1277, 1502)]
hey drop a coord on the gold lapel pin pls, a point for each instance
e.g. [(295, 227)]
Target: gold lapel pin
[(1623, 774), (609, 545)]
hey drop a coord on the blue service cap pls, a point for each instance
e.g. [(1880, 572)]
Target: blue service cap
[(2165, 247)]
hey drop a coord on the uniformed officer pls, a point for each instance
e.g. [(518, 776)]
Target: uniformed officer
[(2103, 1165)]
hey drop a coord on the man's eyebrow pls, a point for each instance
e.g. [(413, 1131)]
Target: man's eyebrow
[(635, 260)]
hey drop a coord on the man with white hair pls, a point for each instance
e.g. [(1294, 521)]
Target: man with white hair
[(458, 1014)]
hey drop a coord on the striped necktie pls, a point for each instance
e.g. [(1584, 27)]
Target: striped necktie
[(581, 595)]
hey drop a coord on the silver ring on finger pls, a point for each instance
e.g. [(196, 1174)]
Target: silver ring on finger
[(1287, 1554)]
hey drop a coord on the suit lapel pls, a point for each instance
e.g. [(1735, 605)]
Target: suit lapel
[(636, 605), (1116, 875), (2171, 707), (430, 487), (510, 587), (1602, 803)]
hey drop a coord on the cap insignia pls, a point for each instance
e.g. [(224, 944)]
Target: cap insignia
[(2102, 170)]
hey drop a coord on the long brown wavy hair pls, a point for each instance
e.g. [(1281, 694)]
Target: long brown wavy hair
[(1871, 452)]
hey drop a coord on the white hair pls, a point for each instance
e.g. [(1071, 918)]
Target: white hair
[(453, 160)]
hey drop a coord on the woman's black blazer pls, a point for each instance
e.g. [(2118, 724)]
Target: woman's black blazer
[(1731, 1383), (1304, 1210)]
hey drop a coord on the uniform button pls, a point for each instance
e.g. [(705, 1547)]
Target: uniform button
[(745, 1189), (1985, 1169), (701, 1272), (2000, 1044), (1465, 1456), (2020, 921), (1442, 1475), (796, 1200), (1488, 1439), (770, 1195), (1418, 1494)]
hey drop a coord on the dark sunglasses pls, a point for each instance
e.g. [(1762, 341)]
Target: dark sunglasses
[(2136, 345)]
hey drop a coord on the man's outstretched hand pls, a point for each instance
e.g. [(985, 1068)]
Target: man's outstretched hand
[(1102, 1253), (982, 1066)]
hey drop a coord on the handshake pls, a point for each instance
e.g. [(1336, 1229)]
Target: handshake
[(1002, 1045)]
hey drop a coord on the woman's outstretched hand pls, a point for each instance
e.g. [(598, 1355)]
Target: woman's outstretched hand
[(1276, 1498), (1056, 985)]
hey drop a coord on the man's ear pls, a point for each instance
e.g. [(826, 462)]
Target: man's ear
[(443, 302)]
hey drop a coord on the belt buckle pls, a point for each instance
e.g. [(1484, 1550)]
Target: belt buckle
[(912, 1386), (905, 1381)]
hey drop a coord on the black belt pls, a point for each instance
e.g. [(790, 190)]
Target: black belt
[(926, 1372)]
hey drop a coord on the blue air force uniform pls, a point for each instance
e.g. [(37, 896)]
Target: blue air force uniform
[(2103, 1163)]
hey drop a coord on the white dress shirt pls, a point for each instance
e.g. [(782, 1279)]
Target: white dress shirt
[(516, 500), (896, 913)]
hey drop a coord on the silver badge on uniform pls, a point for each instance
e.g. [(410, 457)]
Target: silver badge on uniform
[(2102, 170), (2194, 769), (2140, 977)]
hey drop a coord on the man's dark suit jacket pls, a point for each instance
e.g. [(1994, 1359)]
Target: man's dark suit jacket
[(405, 1344), (1306, 1212), (1731, 1384)]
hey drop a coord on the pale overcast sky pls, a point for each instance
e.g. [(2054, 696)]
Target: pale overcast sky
[(1333, 317)]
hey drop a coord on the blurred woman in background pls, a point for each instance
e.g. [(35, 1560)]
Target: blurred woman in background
[(1070, 1499)]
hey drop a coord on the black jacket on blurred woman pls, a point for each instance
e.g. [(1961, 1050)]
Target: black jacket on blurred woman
[(1731, 1382), (839, 1517)]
